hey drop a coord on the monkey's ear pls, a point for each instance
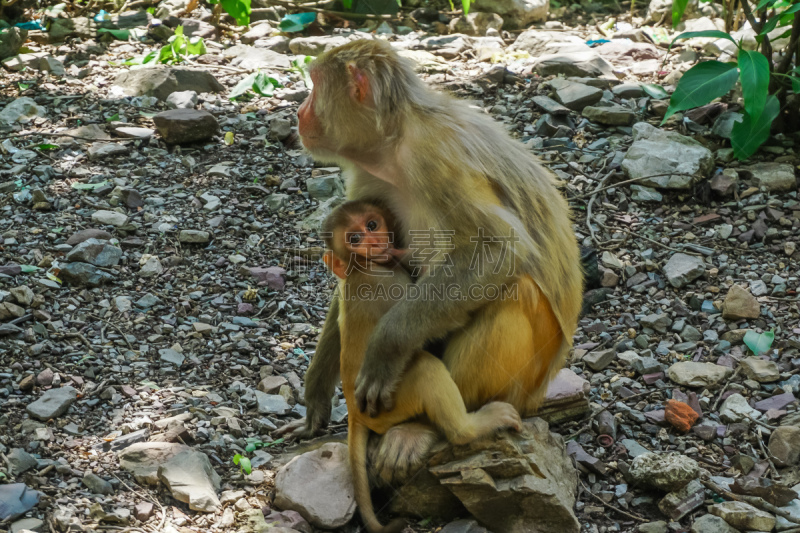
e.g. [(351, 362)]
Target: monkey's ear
[(336, 265), (360, 83)]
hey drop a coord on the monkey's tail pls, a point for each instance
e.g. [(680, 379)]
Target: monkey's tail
[(357, 448)]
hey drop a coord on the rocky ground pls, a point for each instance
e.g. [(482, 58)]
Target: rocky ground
[(161, 291)]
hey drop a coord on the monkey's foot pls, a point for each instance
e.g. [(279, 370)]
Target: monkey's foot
[(401, 451), (305, 428), (500, 415)]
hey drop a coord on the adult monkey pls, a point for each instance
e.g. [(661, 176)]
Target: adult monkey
[(441, 166)]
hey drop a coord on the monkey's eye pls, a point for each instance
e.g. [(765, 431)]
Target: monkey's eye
[(355, 238), (372, 225)]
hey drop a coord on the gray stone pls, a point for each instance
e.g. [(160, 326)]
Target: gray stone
[(515, 13), (272, 404), (28, 525), (249, 57), (784, 445), (743, 516), (537, 42), (111, 218), (775, 177), (599, 359), (161, 81), (182, 100), (654, 527), (151, 268), (277, 201), (193, 236), (646, 365), (86, 234), (313, 222), (170, 356), (192, 480), (614, 115), (476, 23), (180, 126), (576, 96), (96, 252), (314, 46), (22, 110), (280, 129), (16, 499), (657, 321), (96, 484), (580, 64), (332, 502), (11, 40), (655, 151), (52, 404), (723, 125), (103, 150), (760, 370), (668, 472), (735, 408), (20, 461), (512, 483), (678, 504), (23, 295), (325, 187), (143, 459), (711, 524), (464, 526), (682, 269), (259, 31), (640, 193), (80, 274), (696, 374), (628, 90)]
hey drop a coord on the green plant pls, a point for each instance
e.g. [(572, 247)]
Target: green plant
[(765, 85), (238, 9), (259, 82), (243, 463), (175, 51), (254, 444), (300, 65)]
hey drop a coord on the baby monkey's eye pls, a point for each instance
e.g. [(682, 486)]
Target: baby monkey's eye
[(372, 225), (355, 238)]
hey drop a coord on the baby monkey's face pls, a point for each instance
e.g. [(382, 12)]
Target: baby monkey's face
[(368, 236)]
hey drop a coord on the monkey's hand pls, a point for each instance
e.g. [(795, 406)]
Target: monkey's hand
[(379, 376), (308, 427)]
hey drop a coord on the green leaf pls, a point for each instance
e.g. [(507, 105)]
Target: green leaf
[(759, 343), (795, 84), (276, 442), (654, 90), (347, 4), (700, 85), (122, 35), (196, 46), (178, 32), (243, 86), (27, 269), (773, 21), (749, 134), (678, 7), (46, 146), (763, 4), (237, 458), (705, 33), (244, 463), (465, 4), (239, 10), (754, 75), (113, 117), (296, 22), (250, 447), (87, 186), (23, 86)]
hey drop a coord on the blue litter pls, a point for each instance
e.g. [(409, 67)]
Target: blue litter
[(31, 25), (102, 16), (596, 42)]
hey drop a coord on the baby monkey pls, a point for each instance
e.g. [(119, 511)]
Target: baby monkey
[(360, 234)]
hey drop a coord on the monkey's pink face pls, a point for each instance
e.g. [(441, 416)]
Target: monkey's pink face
[(369, 237)]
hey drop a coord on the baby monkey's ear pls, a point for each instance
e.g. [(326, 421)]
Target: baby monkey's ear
[(336, 265)]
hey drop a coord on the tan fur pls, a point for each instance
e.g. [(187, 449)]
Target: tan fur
[(436, 163), (426, 389)]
